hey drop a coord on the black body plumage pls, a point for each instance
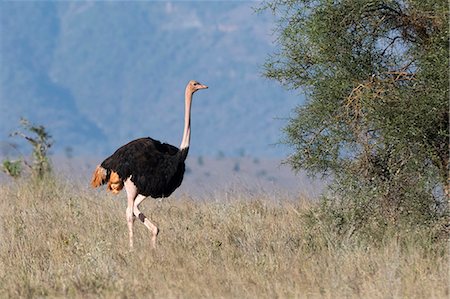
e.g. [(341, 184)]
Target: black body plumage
[(155, 168)]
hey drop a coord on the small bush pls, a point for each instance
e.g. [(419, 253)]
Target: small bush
[(41, 141)]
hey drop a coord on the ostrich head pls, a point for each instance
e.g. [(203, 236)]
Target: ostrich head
[(193, 86)]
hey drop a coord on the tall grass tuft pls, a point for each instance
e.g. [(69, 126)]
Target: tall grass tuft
[(59, 239)]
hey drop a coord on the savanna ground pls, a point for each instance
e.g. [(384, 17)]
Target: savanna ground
[(60, 239)]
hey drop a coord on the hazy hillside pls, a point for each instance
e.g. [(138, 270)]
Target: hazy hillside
[(98, 74)]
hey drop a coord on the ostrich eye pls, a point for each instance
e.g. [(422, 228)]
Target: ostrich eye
[(195, 84)]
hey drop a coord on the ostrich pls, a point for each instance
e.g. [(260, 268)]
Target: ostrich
[(147, 167)]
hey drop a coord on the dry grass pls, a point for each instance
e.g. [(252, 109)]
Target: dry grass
[(57, 240)]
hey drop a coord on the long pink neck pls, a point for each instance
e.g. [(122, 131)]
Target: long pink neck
[(187, 120)]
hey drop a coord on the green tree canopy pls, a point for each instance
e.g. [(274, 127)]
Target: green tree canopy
[(376, 79)]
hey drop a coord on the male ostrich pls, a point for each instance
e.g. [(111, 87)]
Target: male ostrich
[(147, 167)]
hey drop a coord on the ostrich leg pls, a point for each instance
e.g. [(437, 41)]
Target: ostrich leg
[(131, 190), (151, 226)]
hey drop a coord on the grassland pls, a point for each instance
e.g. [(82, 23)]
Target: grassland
[(61, 239)]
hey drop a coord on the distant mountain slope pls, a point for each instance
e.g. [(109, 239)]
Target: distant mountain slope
[(98, 74), (29, 38)]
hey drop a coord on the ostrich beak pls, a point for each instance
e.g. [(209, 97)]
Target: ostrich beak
[(201, 86)]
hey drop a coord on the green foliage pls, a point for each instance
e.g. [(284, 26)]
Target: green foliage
[(41, 141), (376, 118), (12, 168)]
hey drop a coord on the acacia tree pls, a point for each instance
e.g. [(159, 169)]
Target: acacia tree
[(375, 76)]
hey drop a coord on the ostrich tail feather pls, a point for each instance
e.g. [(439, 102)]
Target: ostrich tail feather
[(98, 177)]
